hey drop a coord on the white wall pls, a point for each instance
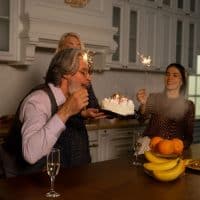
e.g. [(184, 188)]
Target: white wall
[(16, 82)]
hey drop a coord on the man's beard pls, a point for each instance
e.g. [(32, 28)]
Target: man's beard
[(74, 86)]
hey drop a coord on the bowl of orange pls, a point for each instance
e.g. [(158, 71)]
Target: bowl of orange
[(166, 147)]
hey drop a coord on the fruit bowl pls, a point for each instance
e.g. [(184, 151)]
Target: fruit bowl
[(170, 156)]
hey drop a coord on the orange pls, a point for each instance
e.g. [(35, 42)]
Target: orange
[(178, 145), (165, 147), (154, 141)]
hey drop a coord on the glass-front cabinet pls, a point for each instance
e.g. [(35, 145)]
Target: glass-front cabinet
[(125, 19), (165, 30), (186, 32), (8, 30), (4, 25)]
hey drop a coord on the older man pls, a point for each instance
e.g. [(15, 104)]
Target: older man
[(73, 40), (49, 117)]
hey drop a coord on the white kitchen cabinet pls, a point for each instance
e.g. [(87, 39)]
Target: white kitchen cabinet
[(94, 145), (114, 143), (120, 142), (186, 39), (9, 29), (186, 33), (125, 19), (106, 144), (144, 27), (26, 25), (154, 32)]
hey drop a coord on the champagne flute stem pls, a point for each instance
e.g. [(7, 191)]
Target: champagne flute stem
[(136, 156), (52, 183)]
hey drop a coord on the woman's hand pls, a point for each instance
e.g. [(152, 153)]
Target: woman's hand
[(92, 113), (142, 96)]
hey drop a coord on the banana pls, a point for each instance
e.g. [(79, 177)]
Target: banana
[(153, 158), (171, 174), (161, 166)]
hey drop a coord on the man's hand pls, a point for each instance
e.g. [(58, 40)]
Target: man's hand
[(74, 104), (92, 113)]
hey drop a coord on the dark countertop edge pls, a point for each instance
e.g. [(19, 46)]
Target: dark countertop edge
[(111, 124)]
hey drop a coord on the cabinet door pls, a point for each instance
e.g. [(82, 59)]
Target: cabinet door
[(164, 53), (114, 143), (8, 26), (186, 39), (4, 25), (93, 145), (104, 147), (125, 19), (159, 37), (120, 142)]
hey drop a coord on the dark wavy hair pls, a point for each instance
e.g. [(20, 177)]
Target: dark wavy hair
[(64, 62), (182, 71)]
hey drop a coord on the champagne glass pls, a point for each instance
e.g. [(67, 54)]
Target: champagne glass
[(136, 147), (53, 167)]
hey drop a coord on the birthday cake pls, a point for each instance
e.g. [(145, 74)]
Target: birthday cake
[(118, 104)]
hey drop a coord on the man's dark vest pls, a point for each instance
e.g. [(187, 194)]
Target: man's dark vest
[(73, 142)]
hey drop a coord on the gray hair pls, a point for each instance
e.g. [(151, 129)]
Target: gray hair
[(61, 43), (64, 62)]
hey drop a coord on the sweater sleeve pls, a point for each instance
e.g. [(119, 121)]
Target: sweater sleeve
[(189, 124)]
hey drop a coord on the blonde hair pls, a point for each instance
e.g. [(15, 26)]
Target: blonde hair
[(61, 42)]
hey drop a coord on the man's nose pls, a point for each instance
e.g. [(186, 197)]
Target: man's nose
[(89, 77)]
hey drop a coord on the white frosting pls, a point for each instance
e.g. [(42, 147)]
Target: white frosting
[(118, 104)]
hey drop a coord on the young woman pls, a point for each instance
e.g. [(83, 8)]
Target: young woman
[(170, 114)]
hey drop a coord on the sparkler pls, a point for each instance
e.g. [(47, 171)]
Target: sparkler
[(88, 57), (146, 62)]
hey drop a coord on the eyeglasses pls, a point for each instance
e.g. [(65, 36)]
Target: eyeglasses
[(86, 73)]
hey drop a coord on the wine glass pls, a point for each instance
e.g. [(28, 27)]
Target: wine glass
[(136, 147), (53, 167)]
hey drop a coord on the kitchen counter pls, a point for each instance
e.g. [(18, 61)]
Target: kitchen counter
[(111, 123), (114, 179), (90, 125)]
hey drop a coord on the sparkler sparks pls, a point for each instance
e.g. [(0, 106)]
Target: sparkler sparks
[(88, 56), (146, 61)]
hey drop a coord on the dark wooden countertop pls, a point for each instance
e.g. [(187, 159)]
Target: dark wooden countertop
[(109, 180), (111, 123), (90, 124)]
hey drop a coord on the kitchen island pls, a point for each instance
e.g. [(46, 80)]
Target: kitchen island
[(115, 179)]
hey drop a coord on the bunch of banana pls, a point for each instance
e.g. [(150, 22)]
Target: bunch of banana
[(153, 158), (171, 174), (163, 169), (161, 166)]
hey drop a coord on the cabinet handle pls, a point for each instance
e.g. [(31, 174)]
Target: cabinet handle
[(105, 133), (93, 145)]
